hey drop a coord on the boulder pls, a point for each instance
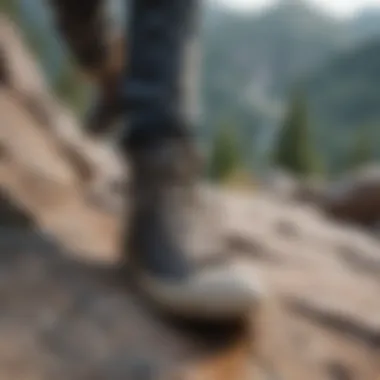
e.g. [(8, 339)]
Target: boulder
[(96, 163), (355, 198)]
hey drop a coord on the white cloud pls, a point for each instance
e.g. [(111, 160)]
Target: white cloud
[(346, 7), (340, 7)]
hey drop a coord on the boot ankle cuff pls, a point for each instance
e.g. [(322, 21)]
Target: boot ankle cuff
[(156, 136)]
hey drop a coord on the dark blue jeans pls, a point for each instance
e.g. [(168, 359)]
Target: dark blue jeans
[(159, 34)]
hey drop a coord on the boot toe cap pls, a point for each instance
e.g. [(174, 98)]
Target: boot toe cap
[(218, 294)]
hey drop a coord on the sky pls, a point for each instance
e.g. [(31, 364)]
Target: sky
[(343, 8)]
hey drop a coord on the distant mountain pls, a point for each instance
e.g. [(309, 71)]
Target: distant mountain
[(347, 90), (366, 24), (344, 95), (252, 60)]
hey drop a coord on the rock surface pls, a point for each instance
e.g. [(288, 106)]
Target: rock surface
[(68, 312), (321, 319), (93, 163), (355, 198)]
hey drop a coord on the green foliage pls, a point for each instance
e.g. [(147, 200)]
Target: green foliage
[(10, 8), (225, 157), (362, 149), (294, 150)]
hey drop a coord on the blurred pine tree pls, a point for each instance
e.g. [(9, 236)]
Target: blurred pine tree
[(294, 150), (226, 158)]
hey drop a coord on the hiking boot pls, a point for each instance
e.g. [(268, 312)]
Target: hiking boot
[(171, 226), (170, 215)]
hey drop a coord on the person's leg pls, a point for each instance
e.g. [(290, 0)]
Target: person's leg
[(167, 225), (159, 33), (99, 54)]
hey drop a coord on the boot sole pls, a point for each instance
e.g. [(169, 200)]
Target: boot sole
[(218, 295)]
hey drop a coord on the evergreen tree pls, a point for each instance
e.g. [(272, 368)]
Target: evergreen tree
[(294, 149), (225, 156)]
